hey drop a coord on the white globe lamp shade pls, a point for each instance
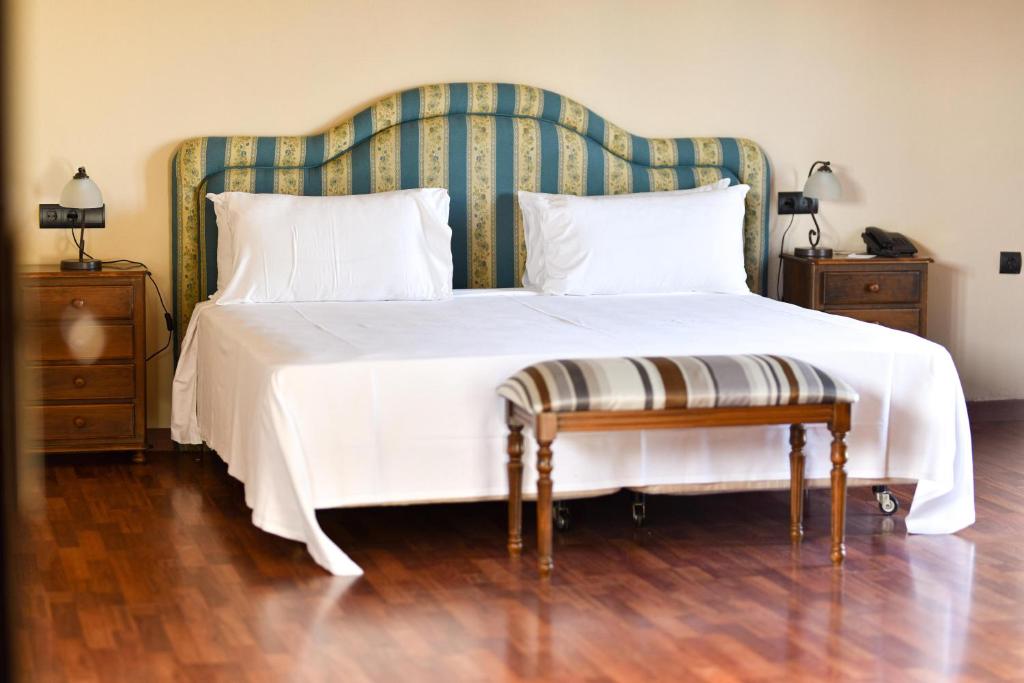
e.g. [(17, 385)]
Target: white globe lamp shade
[(823, 184), (81, 192)]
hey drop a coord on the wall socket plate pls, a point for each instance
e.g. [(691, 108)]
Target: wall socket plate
[(1009, 262), (57, 216), (796, 202)]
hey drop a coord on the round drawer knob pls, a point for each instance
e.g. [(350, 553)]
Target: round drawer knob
[(873, 287), (79, 422), (78, 303), (79, 381)]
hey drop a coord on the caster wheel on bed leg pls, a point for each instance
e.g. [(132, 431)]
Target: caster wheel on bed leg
[(560, 512), (887, 502), (639, 509)]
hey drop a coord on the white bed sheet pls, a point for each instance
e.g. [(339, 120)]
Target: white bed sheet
[(321, 405)]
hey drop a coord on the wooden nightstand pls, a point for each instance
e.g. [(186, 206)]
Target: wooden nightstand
[(887, 291), (85, 346)]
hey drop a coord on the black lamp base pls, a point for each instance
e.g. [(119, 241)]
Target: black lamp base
[(87, 264), (812, 252)]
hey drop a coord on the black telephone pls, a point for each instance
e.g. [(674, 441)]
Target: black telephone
[(888, 244)]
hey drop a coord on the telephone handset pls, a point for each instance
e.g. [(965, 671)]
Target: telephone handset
[(887, 244)]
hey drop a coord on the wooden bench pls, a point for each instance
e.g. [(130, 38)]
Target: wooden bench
[(609, 394)]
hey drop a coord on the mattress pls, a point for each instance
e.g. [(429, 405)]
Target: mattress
[(322, 405)]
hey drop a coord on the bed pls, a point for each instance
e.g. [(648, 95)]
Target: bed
[(322, 405)]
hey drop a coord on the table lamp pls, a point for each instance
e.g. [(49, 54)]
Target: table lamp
[(820, 184), (81, 206)]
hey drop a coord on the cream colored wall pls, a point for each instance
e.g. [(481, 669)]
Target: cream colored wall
[(917, 103)]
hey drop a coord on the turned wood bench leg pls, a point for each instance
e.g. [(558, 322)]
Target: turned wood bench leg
[(797, 441), (839, 426), (546, 429), (838, 497), (545, 562), (515, 489)]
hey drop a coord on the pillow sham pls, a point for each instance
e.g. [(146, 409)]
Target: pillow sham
[(657, 242), (372, 247), (533, 204), (225, 245)]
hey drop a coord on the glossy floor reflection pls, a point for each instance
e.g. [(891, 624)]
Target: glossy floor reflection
[(148, 572)]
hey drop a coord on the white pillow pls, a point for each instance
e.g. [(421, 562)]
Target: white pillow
[(372, 247), (650, 243), (225, 245), (531, 203)]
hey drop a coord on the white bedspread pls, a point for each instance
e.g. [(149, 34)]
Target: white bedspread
[(324, 405)]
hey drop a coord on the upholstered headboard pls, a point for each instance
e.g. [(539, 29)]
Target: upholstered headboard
[(482, 141)]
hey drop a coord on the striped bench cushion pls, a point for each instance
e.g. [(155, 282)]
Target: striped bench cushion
[(659, 383)]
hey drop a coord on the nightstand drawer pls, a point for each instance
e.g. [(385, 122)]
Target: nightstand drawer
[(48, 303), (905, 319), (86, 342), (900, 287), (63, 382), (113, 421)]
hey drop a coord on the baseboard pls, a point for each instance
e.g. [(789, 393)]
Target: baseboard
[(159, 439), (1008, 410)]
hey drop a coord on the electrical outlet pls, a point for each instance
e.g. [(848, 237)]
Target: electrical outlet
[(54, 216), (1009, 262), (796, 202), (57, 216)]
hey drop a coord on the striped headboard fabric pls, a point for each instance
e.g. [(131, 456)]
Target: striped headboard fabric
[(482, 141)]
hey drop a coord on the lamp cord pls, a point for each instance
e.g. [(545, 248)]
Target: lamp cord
[(782, 250), (128, 263)]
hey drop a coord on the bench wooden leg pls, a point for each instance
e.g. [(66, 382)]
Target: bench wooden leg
[(515, 489), (838, 491), (797, 440), (545, 431), (545, 562)]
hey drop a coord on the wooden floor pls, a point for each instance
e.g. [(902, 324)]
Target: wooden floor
[(153, 572)]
